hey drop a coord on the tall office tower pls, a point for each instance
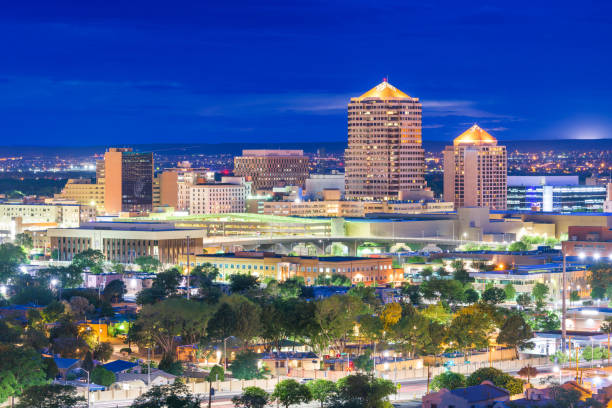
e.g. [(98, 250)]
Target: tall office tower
[(476, 171), (384, 154), (128, 178), (272, 168)]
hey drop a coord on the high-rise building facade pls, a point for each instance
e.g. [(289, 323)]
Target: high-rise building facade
[(476, 171), (217, 198), (128, 178), (272, 168), (384, 154)]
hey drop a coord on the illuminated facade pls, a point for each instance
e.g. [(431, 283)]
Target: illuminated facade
[(218, 198), (128, 178), (384, 154), (272, 168), (282, 267), (340, 208), (84, 192), (475, 171)]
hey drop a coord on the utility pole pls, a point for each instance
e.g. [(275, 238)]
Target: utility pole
[(188, 271), (563, 306)]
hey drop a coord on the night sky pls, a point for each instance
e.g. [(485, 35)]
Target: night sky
[(99, 72)]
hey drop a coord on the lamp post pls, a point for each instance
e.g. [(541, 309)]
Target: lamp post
[(88, 393), (563, 305), (188, 272), (225, 351)]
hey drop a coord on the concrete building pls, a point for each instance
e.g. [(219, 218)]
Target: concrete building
[(17, 217), (341, 208), (317, 183), (384, 154), (128, 178), (282, 267), (175, 184), (124, 242), (475, 171), (84, 192), (592, 242), (524, 278), (553, 193), (272, 168), (219, 198)]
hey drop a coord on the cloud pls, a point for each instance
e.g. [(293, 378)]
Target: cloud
[(435, 126), (457, 108)]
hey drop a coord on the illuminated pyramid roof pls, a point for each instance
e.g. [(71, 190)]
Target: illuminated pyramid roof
[(384, 90), (475, 136)]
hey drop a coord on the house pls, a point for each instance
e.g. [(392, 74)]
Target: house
[(119, 366), (543, 397), (65, 365), (128, 381), (484, 395)]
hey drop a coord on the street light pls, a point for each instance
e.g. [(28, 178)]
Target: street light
[(88, 392), (557, 369)]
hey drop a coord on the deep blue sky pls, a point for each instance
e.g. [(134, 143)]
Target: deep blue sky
[(98, 72)]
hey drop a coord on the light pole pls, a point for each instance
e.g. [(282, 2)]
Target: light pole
[(88, 393), (563, 306), (225, 351), (188, 271)]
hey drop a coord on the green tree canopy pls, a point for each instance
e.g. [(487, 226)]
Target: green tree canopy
[(24, 240), (510, 291), (167, 396), (524, 300), (25, 365), (290, 392), (11, 256), (50, 396), (540, 291), (494, 296), (240, 283), (91, 259), (102, 376), (497, 377), (114, 291), (244, 366), (516, 333), (148, 263), (321, 390), (362, 391), (252, 397), (448, 380)]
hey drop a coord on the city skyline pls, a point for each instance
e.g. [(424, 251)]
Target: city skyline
[(208, 74)]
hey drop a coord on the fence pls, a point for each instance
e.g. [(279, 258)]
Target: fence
[(269, 384)]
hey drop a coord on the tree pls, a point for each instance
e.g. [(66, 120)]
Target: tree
[(50, 396), (240, 283), (362, 391), (510, 291), (460, 273), (470, 296), (80, 306), (252, 397), (364, 362), (390, 315), (565, 398), (574, 296), (162, 322), (539, 291), (148, 263), (216, 373), (8, 385), (245, 367), (170, 365), (594, 353), (102, 376), (598, 292), (518, 246), (91, 259), (523, 300), (50, 367), (448, 380), (24, 240), (494, 296), (606, 327), (528, 372), (471, 327), (336, 317), (103, 351), (174, 395), (68, 276), (30, 290), (165, 285), (223, 323), (24, 365), (413, 292), (291, 392), (114, 291), (497, 377), (548, 321), (321, 390), (11, 256), (515, 332)]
